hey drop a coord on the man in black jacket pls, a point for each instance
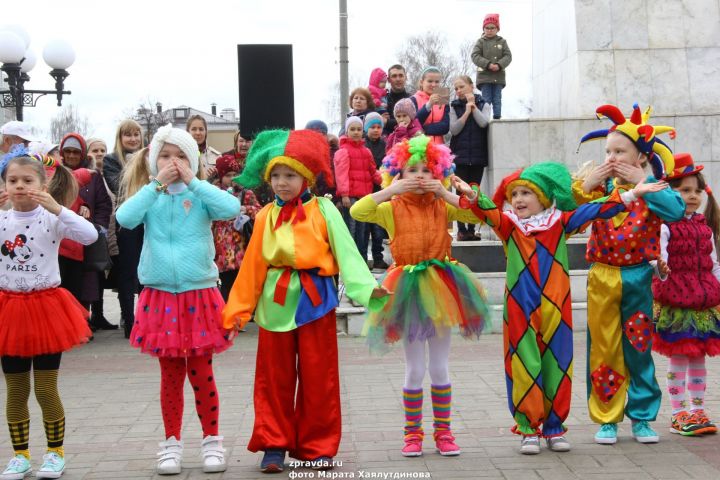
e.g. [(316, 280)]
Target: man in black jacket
[(397, 78)]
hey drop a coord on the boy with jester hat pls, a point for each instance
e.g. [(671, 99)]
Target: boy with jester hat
[(299, 243), (537, 318), (623, 251)]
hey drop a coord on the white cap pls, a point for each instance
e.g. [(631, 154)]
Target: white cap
[(18, 129), (41, 147)]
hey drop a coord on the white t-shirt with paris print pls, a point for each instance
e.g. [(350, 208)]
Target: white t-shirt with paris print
[(29, 244)]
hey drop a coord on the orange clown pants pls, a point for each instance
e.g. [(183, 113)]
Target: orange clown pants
[(306, 423)]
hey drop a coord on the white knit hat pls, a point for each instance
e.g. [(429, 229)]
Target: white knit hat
[(176, 136)]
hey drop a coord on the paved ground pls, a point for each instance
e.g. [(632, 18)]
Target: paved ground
[(113, 418)]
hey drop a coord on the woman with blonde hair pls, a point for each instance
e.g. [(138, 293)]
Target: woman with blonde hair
[(128, 140)]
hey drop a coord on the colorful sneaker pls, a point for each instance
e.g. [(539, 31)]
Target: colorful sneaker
[(53, 466), (558, 444), (273, 461), (642, 432), (445, 444), (322, 463), (530, 445), (607, 435), (17, 468), (684, 423), (706, 425), (413, 446)]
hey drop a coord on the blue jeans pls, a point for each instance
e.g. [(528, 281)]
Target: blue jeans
[(492, 93), (357, 230), (377, 233)]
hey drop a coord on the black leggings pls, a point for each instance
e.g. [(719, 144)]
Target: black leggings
[(23, 364)]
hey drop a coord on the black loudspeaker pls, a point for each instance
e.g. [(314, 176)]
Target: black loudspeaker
[(265, 82)]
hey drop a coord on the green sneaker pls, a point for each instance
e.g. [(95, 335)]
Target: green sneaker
[(642, 432), (17, 468), (53, 466), (607, 435)]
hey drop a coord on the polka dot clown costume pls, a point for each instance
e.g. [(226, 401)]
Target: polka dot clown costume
[(433, 292), (178, 317), (537, 318), (621, 250), (287, 279)]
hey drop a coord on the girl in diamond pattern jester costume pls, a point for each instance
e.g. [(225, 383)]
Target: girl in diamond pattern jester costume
[(537, 326), (622, 251)]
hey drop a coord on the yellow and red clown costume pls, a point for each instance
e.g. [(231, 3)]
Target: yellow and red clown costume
[(286, 279), (620, 251)]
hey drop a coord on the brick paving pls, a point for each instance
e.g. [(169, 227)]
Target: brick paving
[(111, 396)]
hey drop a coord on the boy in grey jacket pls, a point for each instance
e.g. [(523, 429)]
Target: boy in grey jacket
[(492, 55)]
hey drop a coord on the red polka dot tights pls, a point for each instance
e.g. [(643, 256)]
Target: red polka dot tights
[(200, 372)]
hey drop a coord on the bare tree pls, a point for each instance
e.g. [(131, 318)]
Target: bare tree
[(68, 120), (150, 116), (431, 49)]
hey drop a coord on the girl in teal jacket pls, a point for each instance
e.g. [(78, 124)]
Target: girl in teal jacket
[(178, 313)]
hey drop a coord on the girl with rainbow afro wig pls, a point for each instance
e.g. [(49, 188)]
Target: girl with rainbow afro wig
[(433, 292)]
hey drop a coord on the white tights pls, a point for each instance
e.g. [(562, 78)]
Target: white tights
[(415, 364)]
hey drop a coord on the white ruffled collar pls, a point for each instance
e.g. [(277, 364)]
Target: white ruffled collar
[(536, 223)]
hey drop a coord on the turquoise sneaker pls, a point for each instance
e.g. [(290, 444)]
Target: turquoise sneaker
[(607, 435), (17, 468), (642, 432), (53, 466)]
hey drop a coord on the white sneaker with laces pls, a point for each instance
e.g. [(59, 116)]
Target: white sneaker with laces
[(170, 457), (213, 454)]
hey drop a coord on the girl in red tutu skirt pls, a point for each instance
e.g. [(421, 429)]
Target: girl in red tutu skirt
[(38, 320), (178, 313), (687, 317)]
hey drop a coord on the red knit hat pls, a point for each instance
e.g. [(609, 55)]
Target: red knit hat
[(684, 167), (225, 164), (493, 18)]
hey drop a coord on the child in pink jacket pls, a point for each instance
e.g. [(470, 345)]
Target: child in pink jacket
[(407, 125), (378, 81), (355, 174)]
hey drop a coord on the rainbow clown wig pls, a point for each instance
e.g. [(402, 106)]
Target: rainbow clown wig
[(417, 150), (305, 151), (641, 133)]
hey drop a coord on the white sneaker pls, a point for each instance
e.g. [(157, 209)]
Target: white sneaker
[(558, 444), (530, 445), (213, 454), (170, 457)]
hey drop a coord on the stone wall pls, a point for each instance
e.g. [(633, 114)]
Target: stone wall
[(589, 52), (518, 143)]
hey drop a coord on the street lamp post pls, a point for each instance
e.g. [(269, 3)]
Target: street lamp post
[(17, 60)]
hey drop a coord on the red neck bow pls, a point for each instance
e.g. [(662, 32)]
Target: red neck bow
[(287, 208)]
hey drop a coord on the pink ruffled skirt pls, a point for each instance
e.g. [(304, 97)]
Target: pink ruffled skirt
[(179, 324)]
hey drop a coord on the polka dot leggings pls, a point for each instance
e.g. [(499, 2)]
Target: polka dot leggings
[(199, 371)]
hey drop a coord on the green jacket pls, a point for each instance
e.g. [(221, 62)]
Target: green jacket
[(487, 51)]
